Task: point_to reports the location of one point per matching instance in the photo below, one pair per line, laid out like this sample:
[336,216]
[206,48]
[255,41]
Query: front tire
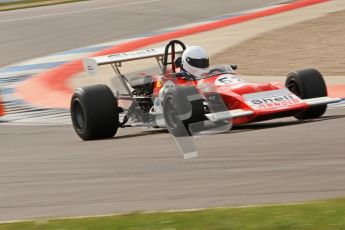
[94,112]
[179,112]
[306,84]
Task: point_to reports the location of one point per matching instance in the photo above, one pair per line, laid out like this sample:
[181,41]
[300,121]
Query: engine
[142,90]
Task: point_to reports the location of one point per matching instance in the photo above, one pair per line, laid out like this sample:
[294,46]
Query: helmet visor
[198,63]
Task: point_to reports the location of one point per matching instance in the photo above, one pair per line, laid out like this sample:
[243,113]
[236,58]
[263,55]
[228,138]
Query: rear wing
[91,64]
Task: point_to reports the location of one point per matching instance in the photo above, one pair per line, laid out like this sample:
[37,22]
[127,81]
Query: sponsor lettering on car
[275,99]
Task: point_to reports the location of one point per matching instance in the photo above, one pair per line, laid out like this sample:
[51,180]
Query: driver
[195,62]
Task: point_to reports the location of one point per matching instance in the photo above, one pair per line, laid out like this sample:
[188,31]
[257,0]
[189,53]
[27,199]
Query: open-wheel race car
[2,109]
[186,104]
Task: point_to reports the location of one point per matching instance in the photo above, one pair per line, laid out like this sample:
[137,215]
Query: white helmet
[195,61]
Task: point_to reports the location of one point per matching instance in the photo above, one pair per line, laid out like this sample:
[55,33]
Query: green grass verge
[4,6]
[314,216]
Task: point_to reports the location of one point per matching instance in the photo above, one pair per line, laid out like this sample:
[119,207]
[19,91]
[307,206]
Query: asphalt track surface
[48,171]
[42,31]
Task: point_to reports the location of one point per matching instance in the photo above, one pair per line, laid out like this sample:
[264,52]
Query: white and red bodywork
[235,92]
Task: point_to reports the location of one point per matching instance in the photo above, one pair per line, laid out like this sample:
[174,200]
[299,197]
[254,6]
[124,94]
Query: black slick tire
[94,112]
[182,106]
[306,84]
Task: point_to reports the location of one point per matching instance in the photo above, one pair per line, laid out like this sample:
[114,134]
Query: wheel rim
[171,112]
[79,117]
[293,86]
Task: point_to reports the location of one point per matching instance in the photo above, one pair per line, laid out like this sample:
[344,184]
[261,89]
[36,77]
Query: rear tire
[306,84]
[179,112]
[94,112]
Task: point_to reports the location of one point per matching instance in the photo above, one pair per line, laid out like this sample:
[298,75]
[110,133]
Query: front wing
[239,113]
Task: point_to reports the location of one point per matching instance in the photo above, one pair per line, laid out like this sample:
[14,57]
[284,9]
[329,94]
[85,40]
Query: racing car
[2,110]
[179,102]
